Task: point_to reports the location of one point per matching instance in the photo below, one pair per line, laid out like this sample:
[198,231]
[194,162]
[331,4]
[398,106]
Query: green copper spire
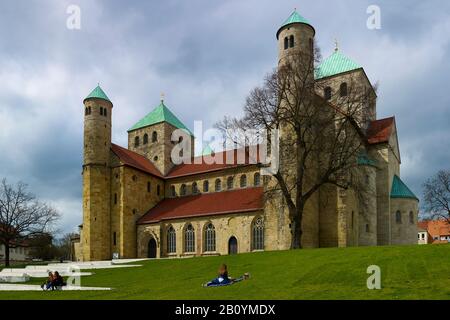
[295,17]
[335,64]
[160,114]
[207,151]
[401,190]
[98,93]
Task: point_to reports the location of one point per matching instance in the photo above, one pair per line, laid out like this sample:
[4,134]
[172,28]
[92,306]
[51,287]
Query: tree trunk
[6,255]
[296,229]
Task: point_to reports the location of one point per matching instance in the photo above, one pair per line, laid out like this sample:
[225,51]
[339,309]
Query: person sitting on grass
[48,284]
[58,281]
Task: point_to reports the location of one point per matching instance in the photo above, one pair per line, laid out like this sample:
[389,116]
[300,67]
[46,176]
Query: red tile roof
[221,160]
[135,160]
[435,228]
[226,202]
[380,130]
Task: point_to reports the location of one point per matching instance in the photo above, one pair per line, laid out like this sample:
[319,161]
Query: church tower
[96,176]
[296,38]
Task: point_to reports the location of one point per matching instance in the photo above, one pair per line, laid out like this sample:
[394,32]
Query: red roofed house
[139,202]
[433,231]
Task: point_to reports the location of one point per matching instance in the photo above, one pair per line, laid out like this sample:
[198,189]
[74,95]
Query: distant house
[433,231]
[15,254]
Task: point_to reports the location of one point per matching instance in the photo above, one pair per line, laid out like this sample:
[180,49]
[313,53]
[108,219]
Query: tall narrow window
[189,239]
[327,93]
[367,228]
[183,190]
[257,179]
[230,181]
[86,111]
[136,141]
[89,110]
[101,111]
[114,238]
[149,186]
[218,185]
[158,190]
[115,198]
[291,41]
[194,188]
[411,217]
[343,90]
[171,240]
[145,139]
[154,136]
[258,234]
[105,112]
[173,191]
[206,186]
[243,181]
[398,217]
[286,43]
[210,238]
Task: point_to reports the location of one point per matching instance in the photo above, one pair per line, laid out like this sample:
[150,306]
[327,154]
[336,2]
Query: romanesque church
[138,203]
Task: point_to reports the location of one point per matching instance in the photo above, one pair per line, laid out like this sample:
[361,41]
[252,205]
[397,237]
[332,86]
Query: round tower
[97,128]
[96,239]
[296,42]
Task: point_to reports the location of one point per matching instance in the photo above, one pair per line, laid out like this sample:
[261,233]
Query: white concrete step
[27,287]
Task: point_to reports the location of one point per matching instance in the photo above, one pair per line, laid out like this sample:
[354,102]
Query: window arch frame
[243,181]
[145,139]
[257,229]
[257,179]
[189,238]
[343,89]
[291,41]
[209,235]
[205,186]
[154,136]
[398,217]
[194,187]
[230,183]
[286,43]
[171,240]
[218,185]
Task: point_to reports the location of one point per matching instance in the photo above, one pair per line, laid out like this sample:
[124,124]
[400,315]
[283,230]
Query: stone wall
[405,230]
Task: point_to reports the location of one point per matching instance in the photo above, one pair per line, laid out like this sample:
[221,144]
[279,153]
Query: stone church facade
[138,203]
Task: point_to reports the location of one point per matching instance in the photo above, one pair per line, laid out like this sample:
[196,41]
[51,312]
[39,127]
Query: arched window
[256,179]
[101,111]
[183,190]
[173,191]
[243,181]
[105,112]
[154,136]
[411,217]
[286,43]
[398,217]
[258,234]
[291,41]
[189,239]
[136,141]
[205,186]
[210,238]
[327,93]
[194,188]
[230,181]
[171,240]
[343,90]
[218,185]
[145,139]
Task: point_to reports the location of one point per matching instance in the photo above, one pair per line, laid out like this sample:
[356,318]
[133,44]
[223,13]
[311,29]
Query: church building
[137,203]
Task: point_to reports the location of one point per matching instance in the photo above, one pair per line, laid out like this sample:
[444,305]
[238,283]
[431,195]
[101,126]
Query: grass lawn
[407,272]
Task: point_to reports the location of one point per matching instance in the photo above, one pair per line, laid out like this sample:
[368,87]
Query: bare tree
[320,139]
[22,216]
[436,193]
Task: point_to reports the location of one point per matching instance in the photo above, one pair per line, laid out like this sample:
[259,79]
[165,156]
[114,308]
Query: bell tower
[96,176]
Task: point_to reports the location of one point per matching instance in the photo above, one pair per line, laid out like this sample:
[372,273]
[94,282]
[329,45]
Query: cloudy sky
[206,56]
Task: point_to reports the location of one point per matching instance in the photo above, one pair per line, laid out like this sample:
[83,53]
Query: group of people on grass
[54,282]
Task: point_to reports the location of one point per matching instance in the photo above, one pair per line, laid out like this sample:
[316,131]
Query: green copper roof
[160,114]
[295,17]
[335,64]
[364,159]
[98,93]
[207,151]
[400,190]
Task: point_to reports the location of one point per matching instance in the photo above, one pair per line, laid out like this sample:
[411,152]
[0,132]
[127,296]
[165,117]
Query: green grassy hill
[407,272]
